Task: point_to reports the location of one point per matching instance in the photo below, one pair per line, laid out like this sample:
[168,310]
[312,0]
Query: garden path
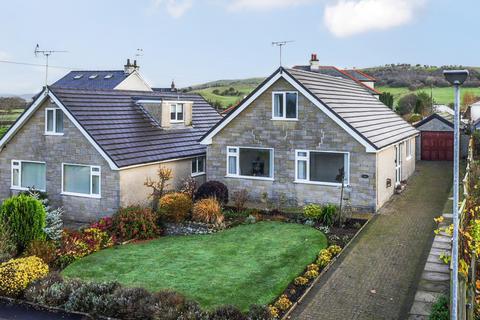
[377,277]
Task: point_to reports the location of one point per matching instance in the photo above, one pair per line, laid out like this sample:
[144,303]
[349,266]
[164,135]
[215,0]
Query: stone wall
[313,131]
[31,143]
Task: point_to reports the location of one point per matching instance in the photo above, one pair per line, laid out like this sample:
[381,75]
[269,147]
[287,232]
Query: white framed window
[285,105]
[53,121]
[176,112]
[322,167]
[81,180]
[409,149]
[28,174]
[198,166]
[250,162]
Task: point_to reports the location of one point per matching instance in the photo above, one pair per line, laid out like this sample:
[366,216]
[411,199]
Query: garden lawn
[245,265]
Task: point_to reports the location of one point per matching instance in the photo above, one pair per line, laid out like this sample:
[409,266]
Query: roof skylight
[78,76]
[93,76]
[108,76]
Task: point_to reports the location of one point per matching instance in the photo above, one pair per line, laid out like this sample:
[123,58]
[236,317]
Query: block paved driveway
[377,275]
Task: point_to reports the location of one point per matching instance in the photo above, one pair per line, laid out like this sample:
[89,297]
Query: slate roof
[352,103]
[106,79]
[363,112]
[359,75]
[126,132]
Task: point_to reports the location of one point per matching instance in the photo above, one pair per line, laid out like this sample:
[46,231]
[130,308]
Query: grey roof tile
[91,79]
[127,134]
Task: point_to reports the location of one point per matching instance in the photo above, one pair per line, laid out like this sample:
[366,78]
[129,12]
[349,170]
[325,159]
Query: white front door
[398,163]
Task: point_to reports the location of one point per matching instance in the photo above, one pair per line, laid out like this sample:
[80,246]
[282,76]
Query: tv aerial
[46,54]
[280,45]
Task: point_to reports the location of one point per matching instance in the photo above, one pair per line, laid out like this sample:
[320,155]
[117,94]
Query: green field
[241,266]
[225,101]
[10,115]
[440,95]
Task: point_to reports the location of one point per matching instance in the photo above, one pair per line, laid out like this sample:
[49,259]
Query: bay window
[322,167]
[53,121]
[250,162]
[28,174]
[285,106]
[198,166]
[81,180]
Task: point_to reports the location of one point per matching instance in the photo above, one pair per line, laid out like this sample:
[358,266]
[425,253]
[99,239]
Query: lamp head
[456,77]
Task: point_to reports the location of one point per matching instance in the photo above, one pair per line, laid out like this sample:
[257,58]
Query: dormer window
[78,76]
[176,112]
[93,76]
[53,121]
[285,105]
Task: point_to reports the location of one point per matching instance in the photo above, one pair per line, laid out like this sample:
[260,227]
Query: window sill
[250,178]
[24,189]
[81,195]
[198,174]
[177,121]
[284,119]
[53,134]
[328,184]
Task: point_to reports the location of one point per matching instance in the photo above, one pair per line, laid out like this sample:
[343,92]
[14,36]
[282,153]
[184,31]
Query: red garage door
[437,145]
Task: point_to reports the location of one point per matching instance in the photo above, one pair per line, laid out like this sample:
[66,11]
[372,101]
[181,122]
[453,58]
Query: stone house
[301,135]
[91,139]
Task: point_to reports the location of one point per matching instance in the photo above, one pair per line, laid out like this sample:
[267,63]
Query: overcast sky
[194,41]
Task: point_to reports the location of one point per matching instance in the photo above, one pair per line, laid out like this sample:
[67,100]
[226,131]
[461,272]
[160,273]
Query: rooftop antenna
[47,54]
[280,45]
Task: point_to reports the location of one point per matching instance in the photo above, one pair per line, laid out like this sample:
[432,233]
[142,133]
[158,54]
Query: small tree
[407,104]
[424,104]
[469,98]
[387,99]
[159,186]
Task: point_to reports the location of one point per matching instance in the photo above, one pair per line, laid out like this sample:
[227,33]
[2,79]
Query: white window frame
[408,149]
[284,94]
[176,104]
[19,168]
[92,173]
[199,173]
[54,132]
[237,169]
[307,159]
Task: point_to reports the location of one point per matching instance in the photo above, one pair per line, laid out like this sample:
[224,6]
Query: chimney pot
[314,63]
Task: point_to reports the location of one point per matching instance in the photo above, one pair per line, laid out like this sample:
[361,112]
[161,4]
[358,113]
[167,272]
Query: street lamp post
[456,78]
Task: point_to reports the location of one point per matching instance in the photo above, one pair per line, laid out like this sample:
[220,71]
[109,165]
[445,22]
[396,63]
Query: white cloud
[175,8]
[4,55]
[349,17]
[264,4]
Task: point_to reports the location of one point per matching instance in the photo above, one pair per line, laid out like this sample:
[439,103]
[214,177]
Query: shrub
[334,250]
[51,291]
[90,297]
[25,217]
[45,250]
[77,244]
[407,104]
[227,312]
[329,213]
[440,310]
[213,189]
[313,266]
[208,211]
[311,274]
[189,186]
[415,118]
[105,224]
[257,312]
[312,211]
[273,311]
[300,281]
[16,274]
[239,198]
[8,247]
[175,206]
[135,222]
[283,303]
[159,186]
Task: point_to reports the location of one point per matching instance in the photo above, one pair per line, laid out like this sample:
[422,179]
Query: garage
[435,142]
[437,146]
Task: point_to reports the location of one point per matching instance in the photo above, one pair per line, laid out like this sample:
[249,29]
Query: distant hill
[398,79]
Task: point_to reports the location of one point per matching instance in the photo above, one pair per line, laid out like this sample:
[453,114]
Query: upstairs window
[198,166]
[285,106]
[53,121]
[176,112]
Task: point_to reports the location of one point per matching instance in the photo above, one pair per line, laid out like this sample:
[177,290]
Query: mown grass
[225,101]
[245,265]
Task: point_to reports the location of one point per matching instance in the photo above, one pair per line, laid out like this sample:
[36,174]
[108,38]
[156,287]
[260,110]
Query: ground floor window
[250,162]
[322,167]
[28,174]
[82,180]
[198,166]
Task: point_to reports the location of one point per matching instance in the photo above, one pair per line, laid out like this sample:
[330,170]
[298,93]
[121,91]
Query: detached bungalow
[92,138]
[301,134]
